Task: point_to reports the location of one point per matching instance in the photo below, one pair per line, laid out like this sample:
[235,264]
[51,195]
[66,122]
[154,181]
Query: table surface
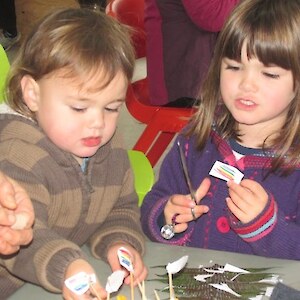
[160,254]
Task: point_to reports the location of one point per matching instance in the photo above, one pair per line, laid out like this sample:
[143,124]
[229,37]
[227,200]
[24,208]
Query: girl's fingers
[203,189]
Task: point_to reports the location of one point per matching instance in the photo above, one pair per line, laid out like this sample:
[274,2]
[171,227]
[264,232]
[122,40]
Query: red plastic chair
[131,12]
[163,123]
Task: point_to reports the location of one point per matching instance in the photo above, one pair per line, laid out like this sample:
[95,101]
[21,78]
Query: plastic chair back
[143,173]
[131,13]
[4,68]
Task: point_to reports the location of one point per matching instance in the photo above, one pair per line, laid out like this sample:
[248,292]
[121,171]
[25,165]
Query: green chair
[143,173]
[4,68]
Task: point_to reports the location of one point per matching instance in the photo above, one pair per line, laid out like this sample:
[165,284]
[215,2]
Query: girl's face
[76,118]
[257,96]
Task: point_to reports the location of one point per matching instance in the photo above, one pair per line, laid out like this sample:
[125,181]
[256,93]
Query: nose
[96,120]
[248,81]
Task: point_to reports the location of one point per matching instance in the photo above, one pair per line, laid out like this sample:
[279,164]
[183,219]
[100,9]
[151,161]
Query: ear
[30,91]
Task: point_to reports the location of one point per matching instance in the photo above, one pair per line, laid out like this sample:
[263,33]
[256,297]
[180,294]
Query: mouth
[246,102]
[91,141]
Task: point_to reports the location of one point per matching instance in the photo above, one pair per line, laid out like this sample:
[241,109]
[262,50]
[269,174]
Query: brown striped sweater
[72,207]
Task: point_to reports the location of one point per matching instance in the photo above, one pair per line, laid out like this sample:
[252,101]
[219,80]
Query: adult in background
[181,36]
[16,216]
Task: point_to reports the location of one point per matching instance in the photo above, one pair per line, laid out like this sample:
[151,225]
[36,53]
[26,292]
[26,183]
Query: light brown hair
[80,41]
[271,31]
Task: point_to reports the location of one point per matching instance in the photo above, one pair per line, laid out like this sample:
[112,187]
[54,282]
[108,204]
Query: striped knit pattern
[260,227]
[72,208]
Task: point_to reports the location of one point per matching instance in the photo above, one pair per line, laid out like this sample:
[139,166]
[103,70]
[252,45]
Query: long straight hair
[271,31]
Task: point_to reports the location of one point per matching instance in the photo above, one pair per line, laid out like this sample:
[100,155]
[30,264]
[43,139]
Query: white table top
[159,254]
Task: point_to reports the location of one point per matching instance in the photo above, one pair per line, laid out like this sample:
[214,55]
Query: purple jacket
[274,233]
[181,36]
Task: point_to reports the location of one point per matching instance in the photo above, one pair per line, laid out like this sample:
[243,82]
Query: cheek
[280,99]
[111,125]
[226,85]
[58,126]
[225,91]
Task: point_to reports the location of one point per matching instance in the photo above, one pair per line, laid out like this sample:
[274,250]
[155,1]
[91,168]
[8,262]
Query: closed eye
[231,67]
[77,109]
[271,75]
[112,109]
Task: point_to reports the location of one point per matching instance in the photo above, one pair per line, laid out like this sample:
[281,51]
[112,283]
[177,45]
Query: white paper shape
[271,280]
[269,291]
[202,278]
[114,281]
[258,297]
[125,259]
[213,270]
[224,287]
[234,269]
[80,282]
[226,172]
[176,266]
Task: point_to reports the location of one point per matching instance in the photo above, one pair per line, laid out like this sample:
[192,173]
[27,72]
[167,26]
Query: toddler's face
[79,118]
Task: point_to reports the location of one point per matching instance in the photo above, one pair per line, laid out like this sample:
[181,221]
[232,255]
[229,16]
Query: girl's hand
[140,270]
[247,199]
[178,208]
[96,289]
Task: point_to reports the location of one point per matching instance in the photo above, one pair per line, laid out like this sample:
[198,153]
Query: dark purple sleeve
[171,181]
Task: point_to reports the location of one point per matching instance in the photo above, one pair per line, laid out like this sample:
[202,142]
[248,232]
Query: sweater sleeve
[271,233]
[209,15]
[260,226]
[171,181]
[35,262]
[123,222]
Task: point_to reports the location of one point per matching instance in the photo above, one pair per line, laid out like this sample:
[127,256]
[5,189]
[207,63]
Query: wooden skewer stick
[156,295]
[95,292]
[142,290]
[172,294]
[131,286]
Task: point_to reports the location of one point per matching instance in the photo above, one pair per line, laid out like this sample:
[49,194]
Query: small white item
[226,172]
[125,259]
[234,269]
[227,268]
[80,282]
[224,287]
[21,222]
[114,281]
[176,266]
[202,278]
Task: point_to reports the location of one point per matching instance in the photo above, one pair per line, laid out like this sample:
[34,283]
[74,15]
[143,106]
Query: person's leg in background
[8,22]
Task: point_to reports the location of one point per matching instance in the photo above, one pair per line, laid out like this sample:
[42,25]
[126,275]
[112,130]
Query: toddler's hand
[140,270]
[96,290]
